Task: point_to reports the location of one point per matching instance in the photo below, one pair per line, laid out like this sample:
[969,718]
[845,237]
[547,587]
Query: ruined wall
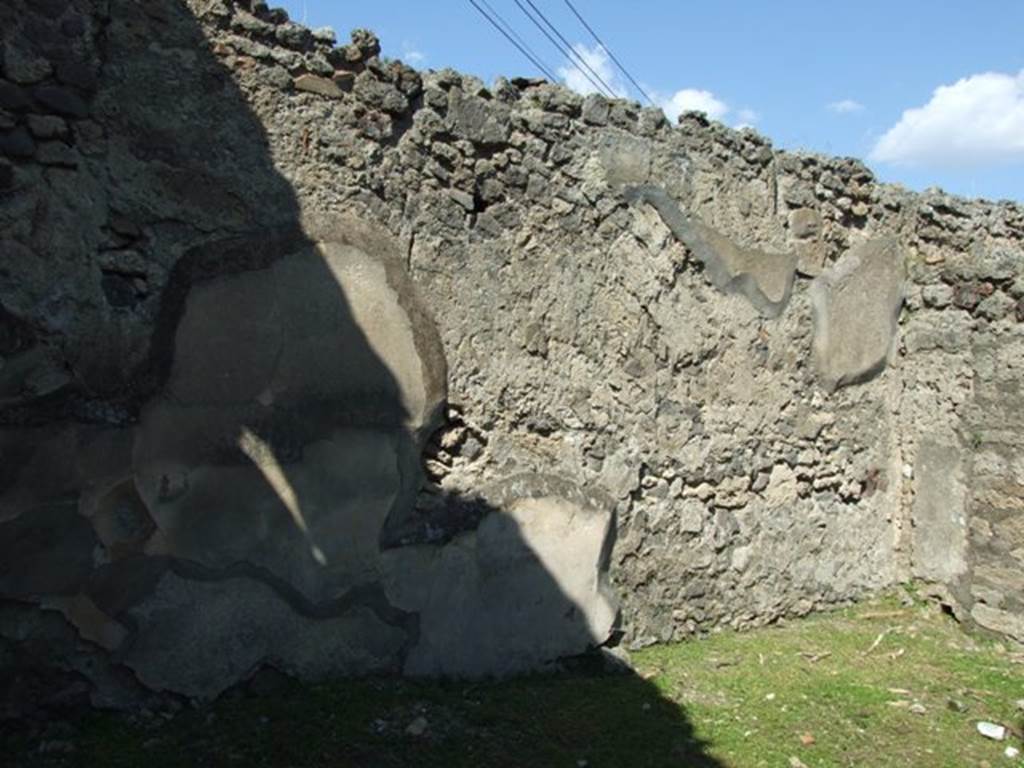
[314,361]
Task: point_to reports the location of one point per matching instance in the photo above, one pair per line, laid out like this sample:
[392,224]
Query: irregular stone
[290,60]
[782,488]
[740,559]
[248,47]
[595,110]
[804,223]
[248,23]
[344,79]
[56,153]
[119,289]
[294,36]
[318,64]
[1001,576]
[12,97]
[652,119]
[551,98]
[22,67]
[275,15]
[379,95]
[50,9]
[278,77]
[61,100]
[462,198]
[996,306]
[620,474]
[856,307]
[325,35]
[318,85]
[475,118]
[626,159]
[938,296]
[89,138]
[17,143]
[1001,621]
[71,70]
[47,126]
[366,43]
[968,295]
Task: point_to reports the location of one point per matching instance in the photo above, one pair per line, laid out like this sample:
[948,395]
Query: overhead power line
[562,50]
[608,51]
[517,36]
[608,88]
[534,60]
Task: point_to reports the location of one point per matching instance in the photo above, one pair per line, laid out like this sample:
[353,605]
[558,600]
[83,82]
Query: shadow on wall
[226,478]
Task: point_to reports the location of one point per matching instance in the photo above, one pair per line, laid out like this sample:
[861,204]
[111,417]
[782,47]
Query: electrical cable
[518,37]
[609,52]
[508,37]
[562,50]
[610,91]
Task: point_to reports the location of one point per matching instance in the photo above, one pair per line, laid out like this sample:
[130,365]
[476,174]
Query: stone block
[528,586]
[939,514]
[626,159]
[804,223]
[856,308]
[322,86]
[997,620]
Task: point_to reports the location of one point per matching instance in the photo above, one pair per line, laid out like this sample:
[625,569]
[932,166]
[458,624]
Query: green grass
[735,699]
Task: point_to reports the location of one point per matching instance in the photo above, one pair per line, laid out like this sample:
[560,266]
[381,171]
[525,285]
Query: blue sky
[927,93]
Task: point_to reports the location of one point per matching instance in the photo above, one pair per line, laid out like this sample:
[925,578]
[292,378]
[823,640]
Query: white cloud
[977,120]
[597,59]
[844,106]
[692,99]
[412,56]
[681,101]
[747,118]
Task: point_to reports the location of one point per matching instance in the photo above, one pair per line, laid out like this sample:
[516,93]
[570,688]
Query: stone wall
[313,361]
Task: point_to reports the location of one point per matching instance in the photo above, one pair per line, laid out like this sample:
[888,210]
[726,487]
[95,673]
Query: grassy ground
[883,684]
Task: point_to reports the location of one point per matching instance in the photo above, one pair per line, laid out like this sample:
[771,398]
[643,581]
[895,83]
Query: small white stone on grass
[992,730]
[417,727]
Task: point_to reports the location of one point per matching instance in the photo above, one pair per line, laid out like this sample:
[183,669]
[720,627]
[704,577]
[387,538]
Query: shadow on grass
[569,719]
